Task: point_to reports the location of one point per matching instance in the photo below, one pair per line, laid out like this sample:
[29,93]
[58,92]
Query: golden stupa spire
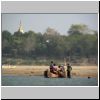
[20,28]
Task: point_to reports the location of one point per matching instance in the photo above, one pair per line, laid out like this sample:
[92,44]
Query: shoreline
[77,71]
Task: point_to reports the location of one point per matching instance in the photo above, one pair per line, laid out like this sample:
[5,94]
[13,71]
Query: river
[8,80]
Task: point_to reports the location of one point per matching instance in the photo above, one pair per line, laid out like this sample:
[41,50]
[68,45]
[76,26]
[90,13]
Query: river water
[8,80]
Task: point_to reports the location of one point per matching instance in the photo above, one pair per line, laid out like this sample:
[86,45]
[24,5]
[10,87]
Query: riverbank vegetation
[78,46]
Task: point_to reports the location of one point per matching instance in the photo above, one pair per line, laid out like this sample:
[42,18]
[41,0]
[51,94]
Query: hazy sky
[40,22]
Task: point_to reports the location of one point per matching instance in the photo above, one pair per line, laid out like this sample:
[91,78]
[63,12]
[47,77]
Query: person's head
[54,64]
[59,66]
[51,61]
[68,64]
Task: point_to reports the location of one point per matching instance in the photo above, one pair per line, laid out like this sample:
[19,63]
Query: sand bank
[78,71]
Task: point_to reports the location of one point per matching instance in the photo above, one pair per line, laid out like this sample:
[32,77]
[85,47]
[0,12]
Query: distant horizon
[59,22]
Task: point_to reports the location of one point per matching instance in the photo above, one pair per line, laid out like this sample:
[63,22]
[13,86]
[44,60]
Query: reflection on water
[41,81]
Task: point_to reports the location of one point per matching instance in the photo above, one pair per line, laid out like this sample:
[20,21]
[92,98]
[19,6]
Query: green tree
[6,42]
[79,29]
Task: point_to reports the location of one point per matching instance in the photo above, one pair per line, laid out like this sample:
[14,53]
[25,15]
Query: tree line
[81,42]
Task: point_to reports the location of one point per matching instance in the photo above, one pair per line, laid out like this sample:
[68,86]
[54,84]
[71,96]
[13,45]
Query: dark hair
[54,64]
[68,64]
[59,66]
[51,61]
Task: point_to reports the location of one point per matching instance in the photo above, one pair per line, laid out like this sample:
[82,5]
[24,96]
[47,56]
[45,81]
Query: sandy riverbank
[78,71]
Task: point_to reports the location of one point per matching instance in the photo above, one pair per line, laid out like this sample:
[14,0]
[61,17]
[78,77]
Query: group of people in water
[60,69]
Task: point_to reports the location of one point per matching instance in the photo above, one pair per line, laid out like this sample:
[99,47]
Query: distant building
[20,28]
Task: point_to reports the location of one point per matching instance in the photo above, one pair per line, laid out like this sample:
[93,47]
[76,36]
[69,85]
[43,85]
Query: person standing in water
[69,69]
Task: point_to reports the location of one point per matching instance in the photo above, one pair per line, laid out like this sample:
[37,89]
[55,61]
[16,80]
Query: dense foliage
[78,43]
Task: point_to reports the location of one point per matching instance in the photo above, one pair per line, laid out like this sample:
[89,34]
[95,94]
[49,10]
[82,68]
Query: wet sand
[77,71]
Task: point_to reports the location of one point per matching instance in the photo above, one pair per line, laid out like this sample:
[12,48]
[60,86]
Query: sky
[40,22]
